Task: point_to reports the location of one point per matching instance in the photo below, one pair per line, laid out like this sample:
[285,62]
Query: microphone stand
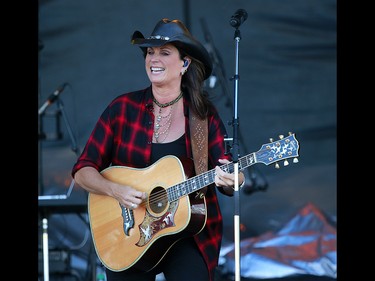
[41,197]
[74,146]
[235,153]
[252,183]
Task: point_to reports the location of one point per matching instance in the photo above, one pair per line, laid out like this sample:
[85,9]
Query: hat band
[159,37]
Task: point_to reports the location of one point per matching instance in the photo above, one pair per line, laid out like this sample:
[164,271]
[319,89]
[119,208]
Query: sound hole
[158,199]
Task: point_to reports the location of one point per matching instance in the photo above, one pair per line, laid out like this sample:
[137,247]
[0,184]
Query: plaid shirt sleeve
[122,135]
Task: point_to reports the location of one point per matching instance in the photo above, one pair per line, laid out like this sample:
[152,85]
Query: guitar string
[243,163]
[161,194]
[227,167]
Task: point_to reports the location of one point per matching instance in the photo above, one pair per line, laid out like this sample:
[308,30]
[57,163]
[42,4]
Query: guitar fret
[211,176]
[171,193]
[179,192]
[183,188]
[241,164]
[194,184]
[188,185]
[205,180]
[201,180]
[176,191]
[250,159]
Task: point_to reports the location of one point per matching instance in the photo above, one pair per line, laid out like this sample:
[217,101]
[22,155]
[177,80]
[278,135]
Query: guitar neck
[269,153]
[202,180]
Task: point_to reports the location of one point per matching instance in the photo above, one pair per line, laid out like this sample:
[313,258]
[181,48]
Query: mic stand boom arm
[74,145]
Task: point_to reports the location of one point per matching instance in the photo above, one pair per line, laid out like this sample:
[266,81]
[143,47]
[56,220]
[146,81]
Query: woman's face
[164,65]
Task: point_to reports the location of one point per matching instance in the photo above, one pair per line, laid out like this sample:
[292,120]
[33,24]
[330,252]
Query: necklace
[162,105]
[166,124]
[163,123]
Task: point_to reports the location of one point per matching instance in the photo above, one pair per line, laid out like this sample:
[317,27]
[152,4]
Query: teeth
[153,69]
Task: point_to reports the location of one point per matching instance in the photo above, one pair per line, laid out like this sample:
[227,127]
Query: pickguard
[152,224]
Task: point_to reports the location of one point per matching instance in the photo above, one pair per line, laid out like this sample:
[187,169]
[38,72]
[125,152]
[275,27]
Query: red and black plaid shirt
[123,136]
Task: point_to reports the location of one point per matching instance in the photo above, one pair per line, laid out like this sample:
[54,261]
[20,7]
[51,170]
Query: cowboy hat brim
[174,32]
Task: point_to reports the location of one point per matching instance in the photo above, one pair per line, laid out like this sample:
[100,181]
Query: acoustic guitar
[174,207]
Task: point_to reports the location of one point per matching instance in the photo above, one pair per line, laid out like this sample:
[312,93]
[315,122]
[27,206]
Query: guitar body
[174,209]
[140,238]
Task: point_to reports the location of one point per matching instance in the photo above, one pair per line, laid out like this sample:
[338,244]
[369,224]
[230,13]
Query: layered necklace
[163,122]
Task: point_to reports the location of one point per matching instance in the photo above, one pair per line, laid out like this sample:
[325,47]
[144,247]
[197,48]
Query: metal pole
[45,250]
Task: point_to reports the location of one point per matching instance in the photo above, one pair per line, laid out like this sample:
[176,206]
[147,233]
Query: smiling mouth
[156,69]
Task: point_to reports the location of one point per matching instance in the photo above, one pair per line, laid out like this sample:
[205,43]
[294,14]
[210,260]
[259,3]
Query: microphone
[238,18]
[52,98]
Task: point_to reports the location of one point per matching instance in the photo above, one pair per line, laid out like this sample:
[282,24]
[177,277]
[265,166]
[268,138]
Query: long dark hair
[192,83]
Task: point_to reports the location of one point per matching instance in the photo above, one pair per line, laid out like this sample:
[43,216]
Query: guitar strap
[199,144]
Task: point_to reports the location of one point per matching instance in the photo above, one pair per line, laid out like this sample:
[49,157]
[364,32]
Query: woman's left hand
[224,179]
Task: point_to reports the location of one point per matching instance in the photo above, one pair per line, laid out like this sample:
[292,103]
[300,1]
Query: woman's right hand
[128,196]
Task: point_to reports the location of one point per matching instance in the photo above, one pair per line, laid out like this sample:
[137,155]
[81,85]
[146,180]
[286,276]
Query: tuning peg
[290,133]
[295,160]
[286,163]
[277,166]
[281,137]
[271,139]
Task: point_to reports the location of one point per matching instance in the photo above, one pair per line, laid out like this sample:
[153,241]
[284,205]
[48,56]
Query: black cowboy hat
[174,31]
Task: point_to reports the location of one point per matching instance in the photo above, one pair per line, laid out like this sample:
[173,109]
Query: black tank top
[176,148]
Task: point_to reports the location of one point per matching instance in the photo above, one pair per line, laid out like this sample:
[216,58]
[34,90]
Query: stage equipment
[54,97]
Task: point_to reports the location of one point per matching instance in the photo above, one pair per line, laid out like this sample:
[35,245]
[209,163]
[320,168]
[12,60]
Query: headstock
[275,151]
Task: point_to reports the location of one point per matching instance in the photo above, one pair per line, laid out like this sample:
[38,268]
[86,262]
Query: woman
[139,128]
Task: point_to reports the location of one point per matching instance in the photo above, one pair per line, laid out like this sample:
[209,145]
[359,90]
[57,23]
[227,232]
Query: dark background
[287,68]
